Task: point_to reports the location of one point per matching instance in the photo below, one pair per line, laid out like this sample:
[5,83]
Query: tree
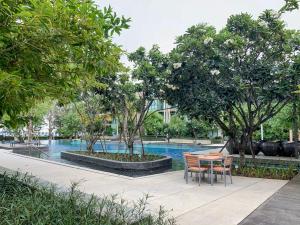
[48,47]
[134,94]
[153,125]
[94,118]
[238,77]
[277,128]
[68,122]
[198,127]
[177,126]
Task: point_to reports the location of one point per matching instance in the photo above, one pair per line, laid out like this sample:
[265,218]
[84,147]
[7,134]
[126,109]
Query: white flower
[275,14]
[177,65]
[208,40]
[19,21]
[263,23]
[168,71]
[228,42]
[215,72]
[172,87]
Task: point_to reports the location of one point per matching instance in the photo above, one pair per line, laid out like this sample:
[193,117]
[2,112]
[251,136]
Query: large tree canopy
[238,77]
[48,46]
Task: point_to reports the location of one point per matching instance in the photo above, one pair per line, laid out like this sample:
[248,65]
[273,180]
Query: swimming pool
[173,150]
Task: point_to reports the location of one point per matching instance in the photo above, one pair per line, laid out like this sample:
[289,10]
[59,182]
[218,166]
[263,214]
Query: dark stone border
[165,163]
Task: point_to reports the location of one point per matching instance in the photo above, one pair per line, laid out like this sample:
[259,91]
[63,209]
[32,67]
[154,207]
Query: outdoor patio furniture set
[212,163]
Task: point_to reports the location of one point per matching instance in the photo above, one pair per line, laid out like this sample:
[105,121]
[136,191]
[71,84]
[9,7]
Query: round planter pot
[288,148]
[270,148]
[255,147]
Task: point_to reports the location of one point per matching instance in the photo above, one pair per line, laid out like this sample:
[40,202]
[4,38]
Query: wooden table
[211,159]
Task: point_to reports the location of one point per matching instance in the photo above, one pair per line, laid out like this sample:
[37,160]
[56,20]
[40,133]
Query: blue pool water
[173,150]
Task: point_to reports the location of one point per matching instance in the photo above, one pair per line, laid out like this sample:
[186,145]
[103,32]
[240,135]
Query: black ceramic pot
[288,148]
[255,147]
[270,148]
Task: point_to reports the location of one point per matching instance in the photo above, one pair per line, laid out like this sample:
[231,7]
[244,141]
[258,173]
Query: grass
[121,156]
[24,201]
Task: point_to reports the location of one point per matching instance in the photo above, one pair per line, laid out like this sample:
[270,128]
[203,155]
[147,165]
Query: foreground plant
[24,201]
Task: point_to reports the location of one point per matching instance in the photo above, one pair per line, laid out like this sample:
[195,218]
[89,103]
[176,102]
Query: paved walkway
[190,204]
[283,208]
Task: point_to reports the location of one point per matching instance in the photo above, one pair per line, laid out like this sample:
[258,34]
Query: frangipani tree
[134,93]
[238,77]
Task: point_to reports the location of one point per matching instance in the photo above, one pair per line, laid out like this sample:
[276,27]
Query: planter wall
[164,163]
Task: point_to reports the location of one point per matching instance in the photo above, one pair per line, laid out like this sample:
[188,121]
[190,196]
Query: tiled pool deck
[282,208]
[189,203]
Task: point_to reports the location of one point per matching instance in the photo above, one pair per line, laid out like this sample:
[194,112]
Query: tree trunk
[30,130]
[244,145]
[130,146]
[143,149]
[90,145]
[295,120]
[50,128]
[125,126]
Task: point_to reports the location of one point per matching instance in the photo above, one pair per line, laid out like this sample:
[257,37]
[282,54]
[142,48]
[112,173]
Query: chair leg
[225,178]
[186,176]
[230,176]
[199,177]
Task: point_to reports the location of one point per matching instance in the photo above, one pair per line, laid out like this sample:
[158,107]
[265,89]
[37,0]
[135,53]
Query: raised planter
[270,148]
[164,163]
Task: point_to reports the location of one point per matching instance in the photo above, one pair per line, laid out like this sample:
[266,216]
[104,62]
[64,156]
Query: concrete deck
[190,204]
[282,208]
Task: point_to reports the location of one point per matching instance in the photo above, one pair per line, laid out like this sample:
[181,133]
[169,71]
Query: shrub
[266,172]
[24,201]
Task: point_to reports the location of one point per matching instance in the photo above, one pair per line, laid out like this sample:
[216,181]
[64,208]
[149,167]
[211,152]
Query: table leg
[211,172]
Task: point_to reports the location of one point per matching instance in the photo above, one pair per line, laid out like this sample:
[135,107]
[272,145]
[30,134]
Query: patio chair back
[192,160]
[228,161]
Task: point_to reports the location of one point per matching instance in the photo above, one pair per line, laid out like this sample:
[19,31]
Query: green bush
[24,201]
[266,172]
[121,156]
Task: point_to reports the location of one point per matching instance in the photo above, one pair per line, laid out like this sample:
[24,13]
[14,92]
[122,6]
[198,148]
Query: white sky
[161,21]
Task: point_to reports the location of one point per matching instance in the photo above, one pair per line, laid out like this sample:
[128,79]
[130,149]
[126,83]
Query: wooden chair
[225,168]
[192,164]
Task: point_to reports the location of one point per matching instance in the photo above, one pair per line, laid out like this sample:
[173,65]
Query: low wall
[190,141]
[165,163]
